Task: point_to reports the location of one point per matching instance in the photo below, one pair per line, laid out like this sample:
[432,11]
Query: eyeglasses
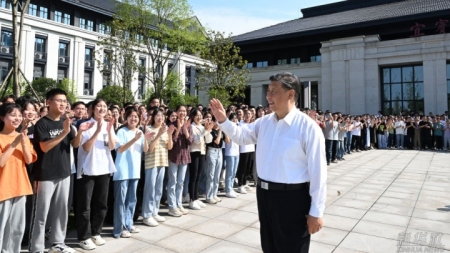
[64,101]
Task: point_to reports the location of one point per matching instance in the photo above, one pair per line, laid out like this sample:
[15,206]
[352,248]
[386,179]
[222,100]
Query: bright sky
[241,16]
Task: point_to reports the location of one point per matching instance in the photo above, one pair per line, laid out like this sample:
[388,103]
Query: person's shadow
[445,209]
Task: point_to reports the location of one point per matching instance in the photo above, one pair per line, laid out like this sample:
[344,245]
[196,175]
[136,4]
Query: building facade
[359,56]
[59,41]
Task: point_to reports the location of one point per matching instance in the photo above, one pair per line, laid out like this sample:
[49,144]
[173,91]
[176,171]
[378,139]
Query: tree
[162,29]
[114,95]
[43,85]
[223,75]
[173,92]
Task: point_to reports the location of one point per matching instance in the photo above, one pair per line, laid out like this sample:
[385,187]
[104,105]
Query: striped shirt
[159,156]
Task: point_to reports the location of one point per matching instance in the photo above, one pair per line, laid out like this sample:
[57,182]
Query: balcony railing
[89,64]
[63,60]
[40,56]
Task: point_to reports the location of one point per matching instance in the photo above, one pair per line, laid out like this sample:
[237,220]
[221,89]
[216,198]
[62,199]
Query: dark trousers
[139,192]
[356,142]
[245,163]
[282,230]
[439,141]
[426,140]
[328,149]
[409,141]
[363,139]
[195,170]
[92,197]
[334,150]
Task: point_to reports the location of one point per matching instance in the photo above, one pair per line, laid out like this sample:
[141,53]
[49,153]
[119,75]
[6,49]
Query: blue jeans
[124,204]
[175,184]
[381,141]
[399,140]
[153,190]
[231,166]
[348,147]
[213,168]
[340,150]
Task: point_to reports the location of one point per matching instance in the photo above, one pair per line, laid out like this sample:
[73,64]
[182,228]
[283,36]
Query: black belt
[281,187]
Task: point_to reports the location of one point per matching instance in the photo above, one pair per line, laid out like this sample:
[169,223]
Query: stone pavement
[376,199]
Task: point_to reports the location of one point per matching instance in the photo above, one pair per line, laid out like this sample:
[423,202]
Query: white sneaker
[185,199]
[211,201]
[150,222]
[61,248]
[87,244]
[134,230]
[217,199]
[231,195]
[125,234]
[182,210]
[237,194]
[241,190]
[174,212]
[200,203]
[159,218]
[98,240]
[247,188]
[193,205]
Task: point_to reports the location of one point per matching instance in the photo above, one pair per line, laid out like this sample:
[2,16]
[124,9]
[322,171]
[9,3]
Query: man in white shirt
[291,165]
[399,128]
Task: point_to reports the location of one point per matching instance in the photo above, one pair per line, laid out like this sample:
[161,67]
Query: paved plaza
[377,202]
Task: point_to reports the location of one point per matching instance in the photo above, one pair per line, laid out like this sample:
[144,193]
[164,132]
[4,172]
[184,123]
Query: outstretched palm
[218,110]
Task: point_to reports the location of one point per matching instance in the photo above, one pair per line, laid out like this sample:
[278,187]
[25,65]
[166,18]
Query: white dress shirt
[289,151]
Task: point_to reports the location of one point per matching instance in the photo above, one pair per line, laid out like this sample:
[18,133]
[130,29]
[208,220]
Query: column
[306,95]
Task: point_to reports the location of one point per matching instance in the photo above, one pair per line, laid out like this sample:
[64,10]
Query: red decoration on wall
[416,28]
[441,24]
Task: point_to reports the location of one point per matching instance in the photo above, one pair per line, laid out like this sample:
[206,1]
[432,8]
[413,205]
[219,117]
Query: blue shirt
[128,163]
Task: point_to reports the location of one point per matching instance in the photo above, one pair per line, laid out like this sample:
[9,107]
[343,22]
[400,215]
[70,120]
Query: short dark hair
[53,92]
[289,81]
[78,103]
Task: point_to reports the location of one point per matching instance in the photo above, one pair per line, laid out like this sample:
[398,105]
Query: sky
[241,16]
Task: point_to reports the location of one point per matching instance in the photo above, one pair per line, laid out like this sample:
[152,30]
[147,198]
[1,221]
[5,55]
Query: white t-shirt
[356,128]
[399,125]
[98,161]
[231,149]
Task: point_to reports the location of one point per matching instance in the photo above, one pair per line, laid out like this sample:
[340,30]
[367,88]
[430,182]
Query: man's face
[200,108]
[154,103]
[79,111]
[278,97]
[240,114]
[57,104]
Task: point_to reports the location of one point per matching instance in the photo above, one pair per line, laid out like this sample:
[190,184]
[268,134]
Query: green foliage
[173,92]
[223,76]
[116,94]
[43,85]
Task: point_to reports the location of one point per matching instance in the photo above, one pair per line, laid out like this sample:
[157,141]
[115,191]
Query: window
[87,24]
[43,12]
[38,71]
[106,80]
[61,17]
[88,84]
[83,23]
[3,4]
[448,86]
[104,29]
[7,38]
[295,60]
[62,73]
[63,49]
[4,69]
[249,65]
[33,10]
[316,58]
[107,61]
[402,89]
[39,45]
[88,57]
[282,62]
[261,64]
[139,38]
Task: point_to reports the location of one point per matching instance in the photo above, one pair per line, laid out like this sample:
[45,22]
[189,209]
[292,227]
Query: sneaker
[217,199]
[134,230]
[328,163]
[231,195]
[202,195]
[151,222]
[200,203]
[159,218]
[87,244]
[237,194]
[241,190]
[125,234]
[185,199]
[174,212]
[98,240]
[61,248]
[342,159]
[182,210]
[211,201]
[194,206]
[247,188]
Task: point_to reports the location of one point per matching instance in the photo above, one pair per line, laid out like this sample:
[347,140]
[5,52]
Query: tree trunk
[16,60]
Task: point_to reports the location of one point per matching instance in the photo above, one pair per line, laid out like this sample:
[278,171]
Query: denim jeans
[153,190]
[340,150]
[124,204]
[213,168]
[175,185]
[399,140]
[348,148]
[232,164]
[446,141]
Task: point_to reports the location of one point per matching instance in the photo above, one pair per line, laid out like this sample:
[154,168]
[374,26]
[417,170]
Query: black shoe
[334,161]
[328,163]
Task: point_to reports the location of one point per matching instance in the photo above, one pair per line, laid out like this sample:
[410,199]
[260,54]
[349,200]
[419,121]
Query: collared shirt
[289,151]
